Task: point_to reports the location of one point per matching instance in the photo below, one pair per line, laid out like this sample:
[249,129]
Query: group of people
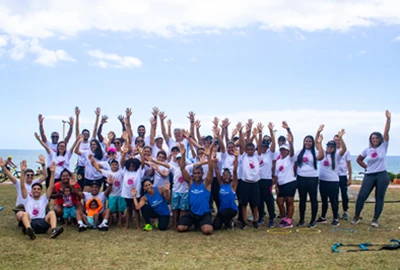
[185,175]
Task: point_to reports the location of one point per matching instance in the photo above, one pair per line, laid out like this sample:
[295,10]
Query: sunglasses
[55,136]
[117,143]
[29,175]
[140,141]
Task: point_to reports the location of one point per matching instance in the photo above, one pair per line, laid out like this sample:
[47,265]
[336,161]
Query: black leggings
[343,191]
[308,185]
[329,189]
[215,192]
[148,213]
[266,197]
[222,217]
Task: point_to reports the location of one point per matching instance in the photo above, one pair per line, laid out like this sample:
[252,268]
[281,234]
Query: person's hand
[260,127]
[162,116]
[321,128]
[191,117]
[42,160]
[285,125]
[215,121]
[207,151]
[182,148]
[289,138]
[124,150]
[134,192]
[110,136]
[97,111]
[169,123]
[388,115]
[349,182]
[234,132]
[250,123]
[153,121]
[104,119]
[155,111]
[77,111]
[216,131]
[197,124]
[185,133]
[271,127]
[80,137]
[23,165]
[255,131]
[225,123]
[71,121]
[53,167]
[2,163]
[276,189]
[128,112]
[239,126]
[166,185]
[235,153]
[37,136]
[110,179]
[341,133]
[154,166]
[40,118]
[91,158]
[72,181]
[320,138]
[121,118]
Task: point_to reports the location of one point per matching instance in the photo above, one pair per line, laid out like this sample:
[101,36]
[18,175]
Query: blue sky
[335,63]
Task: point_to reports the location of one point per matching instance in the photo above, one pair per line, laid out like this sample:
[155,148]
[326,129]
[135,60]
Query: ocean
[31,156]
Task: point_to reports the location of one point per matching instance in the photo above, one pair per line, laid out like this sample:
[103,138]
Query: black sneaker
[355,220]
[229,225]
[31,233]
[321,220]
[56,232]
[82,227]
[243,226]
[255,224]
[312,224]
[335,222]
[301,223]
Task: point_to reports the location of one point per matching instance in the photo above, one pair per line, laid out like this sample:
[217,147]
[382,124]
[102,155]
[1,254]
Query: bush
[392,176]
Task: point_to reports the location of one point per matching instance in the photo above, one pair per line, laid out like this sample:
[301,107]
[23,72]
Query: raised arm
[166,165]
[51,184]
[94,163]
[210,177]
[343,148]
[319,130]
[128,113]
[110,182]
[387,126]
[169,123]
[121,119]
[42,162]
[48,150]
[234,183]
[217,172]
[165,191]
[77,150]
[191,118]
[249,126]
[272,135]
[74,145]
[182,165]
[260,128]
[189,137]
[138,204]
[225,132]
[96,122]
[239,127]
[220,139]
[318,144]
[71,127]
[41,128]
[77,113]
[198,135]
[286,126]
[153,126]
[23,166]
[163,129]
[7,172]
[74,189]
[289,138]
[103,121]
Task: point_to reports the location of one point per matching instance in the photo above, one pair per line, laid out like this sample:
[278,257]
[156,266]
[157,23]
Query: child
[68,205]
[93,208]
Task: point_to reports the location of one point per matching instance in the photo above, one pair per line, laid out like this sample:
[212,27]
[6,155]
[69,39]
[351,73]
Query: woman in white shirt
[329,177]
[376,175]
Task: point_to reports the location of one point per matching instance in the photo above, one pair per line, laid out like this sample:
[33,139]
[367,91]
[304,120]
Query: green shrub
[392,176]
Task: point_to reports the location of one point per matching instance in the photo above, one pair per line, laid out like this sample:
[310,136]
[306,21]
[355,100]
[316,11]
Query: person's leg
[121,207]
[343,192]
[263,185]
[280,203]
[269,200]
[48,177]
[147,212]
[313,191]
[382,184]
[367,185]
[104,223]
[59,210]
[163,222]
[333,192]
[255,202]
[238,192]
[302,188]
[323,190]
[129,209]
[206,224]
[185,222]
[96,220]
[80,220]
[137,219]
[51,219]
[215,192]
[217,223]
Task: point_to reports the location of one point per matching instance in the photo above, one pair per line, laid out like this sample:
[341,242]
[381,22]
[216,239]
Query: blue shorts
[116,204]
[69,212]
[180,201]
[90,221]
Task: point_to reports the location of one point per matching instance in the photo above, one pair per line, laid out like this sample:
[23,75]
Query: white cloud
[362,52]
[111,60]
[299,36]
[164,18]
[3,40]
[396,39]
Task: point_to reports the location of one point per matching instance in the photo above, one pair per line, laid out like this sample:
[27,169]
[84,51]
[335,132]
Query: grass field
[237,249]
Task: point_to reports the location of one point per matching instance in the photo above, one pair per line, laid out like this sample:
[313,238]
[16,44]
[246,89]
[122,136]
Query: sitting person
[68,205]
[93,208]
[34,219]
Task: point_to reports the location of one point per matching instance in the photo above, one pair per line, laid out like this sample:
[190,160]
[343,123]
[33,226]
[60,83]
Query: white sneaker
[374,223]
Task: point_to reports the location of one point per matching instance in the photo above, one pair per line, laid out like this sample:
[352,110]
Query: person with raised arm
[266,173]
[111,134]
[376,175]
[28,179]
[227,195]
[344,169]
[307,177]
[250,168]
[329,177]
[199,213]
[177,134]
[286,183]
[53,145]
[141,129]
[61,157]
[153,204]
[156,141]
[34,219]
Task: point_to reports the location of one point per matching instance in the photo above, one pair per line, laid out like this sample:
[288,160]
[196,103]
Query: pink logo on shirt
[305,159]
[252,165]
[61,163]
[261,162]
[374,155]
[278,158]
[180,179]
[130,181]
[326,163]
[35,211]
[281,168]
[117,183]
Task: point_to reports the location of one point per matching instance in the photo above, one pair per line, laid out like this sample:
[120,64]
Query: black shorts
[80,176]
[249,193]
[129,203]
[288,189]
[89,183]
[39,225]
[191,219]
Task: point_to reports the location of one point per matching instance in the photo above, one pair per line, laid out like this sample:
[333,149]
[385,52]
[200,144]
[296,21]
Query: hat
[284,146]
[175,148]
[178,155]
[265,143]
[112,149]
[331,144]
[19,207]
[158,137]
[281,138]
[209,137]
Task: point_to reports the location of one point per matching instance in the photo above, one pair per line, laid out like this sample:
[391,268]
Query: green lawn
[237,249]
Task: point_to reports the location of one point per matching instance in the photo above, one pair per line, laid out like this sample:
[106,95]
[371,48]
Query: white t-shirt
[28,188]
[62,162]
[159,180]
[307,167]
[284,170]
[266,164]
[375,158]
[146,140]
[117,186]
[250,167]
[326,173]
[180,185]
[36,208]
[155,150]
[342,166]
[172,143]
[53,149]
[227,162]
[90,172]
[190,168]
[100,196]
[83,147]
[132,180]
